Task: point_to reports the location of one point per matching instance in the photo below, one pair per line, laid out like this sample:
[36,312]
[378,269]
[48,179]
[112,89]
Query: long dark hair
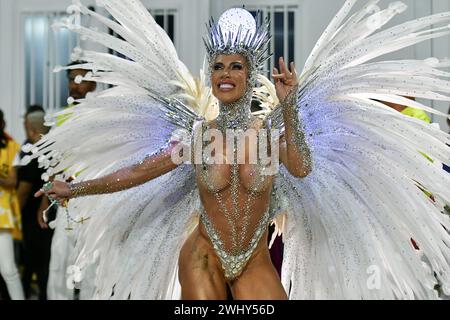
[3,137]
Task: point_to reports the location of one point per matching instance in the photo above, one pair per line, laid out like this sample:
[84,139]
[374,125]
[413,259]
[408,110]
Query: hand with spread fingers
[286,80]
[56,190]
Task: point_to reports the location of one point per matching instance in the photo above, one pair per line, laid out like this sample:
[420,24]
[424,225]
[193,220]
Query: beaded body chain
[236,243]
[244,236]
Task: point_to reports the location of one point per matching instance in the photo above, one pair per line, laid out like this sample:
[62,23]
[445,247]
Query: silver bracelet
[76,189]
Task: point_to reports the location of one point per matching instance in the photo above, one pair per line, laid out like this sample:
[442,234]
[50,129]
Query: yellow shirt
[63,118]
[9,204]
[421,115]
[416,113]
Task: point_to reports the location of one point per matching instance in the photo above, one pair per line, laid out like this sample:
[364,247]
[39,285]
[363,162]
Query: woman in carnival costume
[181,195]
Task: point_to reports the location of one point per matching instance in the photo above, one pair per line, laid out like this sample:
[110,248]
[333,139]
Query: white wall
[314,17]
[190,26]
[7,80]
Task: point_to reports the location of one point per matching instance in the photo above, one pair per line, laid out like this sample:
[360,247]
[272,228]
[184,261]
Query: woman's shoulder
[11,143]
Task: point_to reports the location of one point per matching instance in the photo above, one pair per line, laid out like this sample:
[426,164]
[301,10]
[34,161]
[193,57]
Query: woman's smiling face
[229,77]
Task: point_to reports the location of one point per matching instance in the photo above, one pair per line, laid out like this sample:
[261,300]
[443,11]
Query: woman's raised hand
[285,79]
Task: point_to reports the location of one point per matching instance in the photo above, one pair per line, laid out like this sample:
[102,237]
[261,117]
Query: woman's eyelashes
[237,66]
[233,66]
[218,66]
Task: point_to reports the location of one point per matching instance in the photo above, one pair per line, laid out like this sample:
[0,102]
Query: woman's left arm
[294,151]
[11,180]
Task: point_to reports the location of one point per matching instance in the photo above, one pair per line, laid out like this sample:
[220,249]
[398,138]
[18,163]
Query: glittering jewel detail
[232,264]
[297,139]
[236,115]
[234,259]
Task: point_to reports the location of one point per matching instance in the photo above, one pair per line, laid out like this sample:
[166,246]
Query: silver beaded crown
[237,32]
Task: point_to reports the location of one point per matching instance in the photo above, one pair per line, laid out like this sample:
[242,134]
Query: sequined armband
[291,108]
[290,101]
[77,189]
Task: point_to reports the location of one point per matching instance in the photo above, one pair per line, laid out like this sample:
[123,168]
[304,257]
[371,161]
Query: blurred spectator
[419,114]
[415,113]
[36,241]
[79,90]
[31,109]
[9,213]
[3,289]
[76,90]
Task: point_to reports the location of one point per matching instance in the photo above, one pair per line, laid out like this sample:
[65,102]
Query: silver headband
[237,32]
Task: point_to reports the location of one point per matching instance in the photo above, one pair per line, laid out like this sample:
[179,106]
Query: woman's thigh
[259,280]
[199,272]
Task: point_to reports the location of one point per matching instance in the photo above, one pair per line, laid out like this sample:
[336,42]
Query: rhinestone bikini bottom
[232,265]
